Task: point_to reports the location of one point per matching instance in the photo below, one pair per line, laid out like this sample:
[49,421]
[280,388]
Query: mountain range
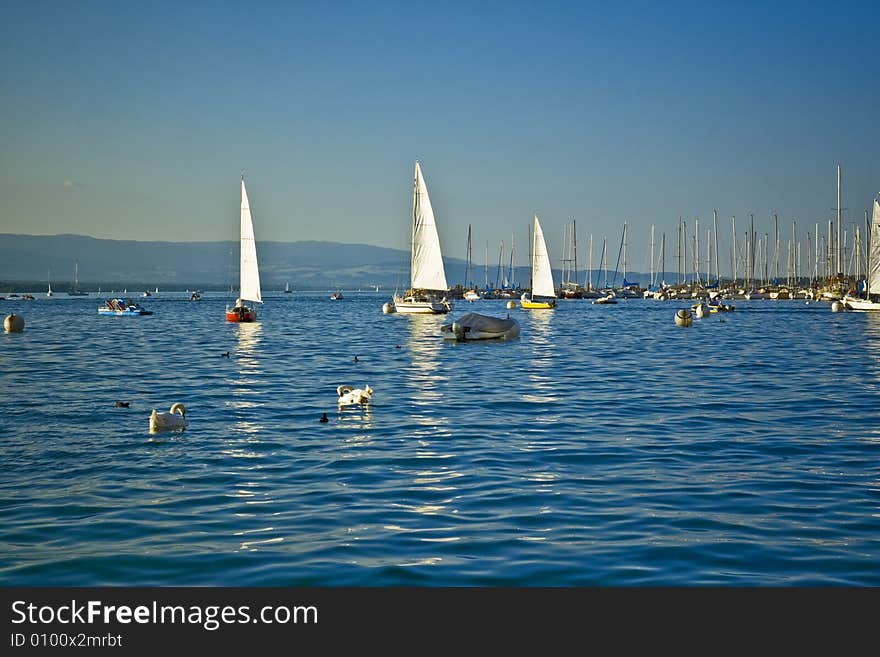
[307,265]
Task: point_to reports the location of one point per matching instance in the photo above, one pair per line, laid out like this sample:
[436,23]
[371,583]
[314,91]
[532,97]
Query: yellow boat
[528,304]
[543,290]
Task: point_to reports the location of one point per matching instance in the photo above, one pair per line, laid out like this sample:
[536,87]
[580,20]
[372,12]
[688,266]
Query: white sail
[542,275]
[874,259]
[426,267]
[250,274]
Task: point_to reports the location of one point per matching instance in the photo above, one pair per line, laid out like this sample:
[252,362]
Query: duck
[349,396]
[122,404]
[324,418]
[226,355]
[174,419]
[355,358]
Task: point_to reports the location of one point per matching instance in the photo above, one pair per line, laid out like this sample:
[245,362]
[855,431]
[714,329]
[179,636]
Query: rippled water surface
[604,446]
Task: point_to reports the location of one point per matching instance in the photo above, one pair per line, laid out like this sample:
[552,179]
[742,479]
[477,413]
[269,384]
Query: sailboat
[287,288]
[471,293]
[249,273]
[427,275]
[48,280]
[872,284]
[75,291]
[542,286]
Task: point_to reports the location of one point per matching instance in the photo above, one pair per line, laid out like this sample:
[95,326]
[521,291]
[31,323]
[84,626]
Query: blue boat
[122,308]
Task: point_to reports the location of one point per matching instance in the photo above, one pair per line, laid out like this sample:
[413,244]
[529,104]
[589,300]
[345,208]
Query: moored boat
[121,307]
[474,326]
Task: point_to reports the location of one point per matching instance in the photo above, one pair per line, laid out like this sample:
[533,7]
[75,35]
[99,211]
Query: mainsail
[874,258]
[250,274]
[426,267]
[542,275]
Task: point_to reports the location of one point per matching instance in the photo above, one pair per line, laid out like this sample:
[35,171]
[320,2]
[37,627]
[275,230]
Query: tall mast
[678,253]
[565,248]
[469,274]
[684,243]
[708,257]
[498,271]
[839,267]
[487,264]
[574,243]
[590,272]
[752,251]
[663,259]
[512,249]
[715,233]
[652,257]
[734,255]
[776,230]
[605,257]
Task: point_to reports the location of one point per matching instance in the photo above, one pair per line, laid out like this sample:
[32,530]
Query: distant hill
[113,264]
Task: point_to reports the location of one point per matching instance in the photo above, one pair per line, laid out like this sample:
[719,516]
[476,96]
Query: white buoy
[683,318]
[388,307]
[13,323]
[511,305]
[836,307]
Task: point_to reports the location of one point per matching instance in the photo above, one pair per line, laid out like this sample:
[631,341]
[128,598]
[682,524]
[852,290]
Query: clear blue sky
[134,120]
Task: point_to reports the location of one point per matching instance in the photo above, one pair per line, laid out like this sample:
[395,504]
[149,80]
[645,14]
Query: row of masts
[754,258]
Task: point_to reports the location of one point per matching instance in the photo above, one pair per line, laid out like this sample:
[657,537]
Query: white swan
[174,419]
[349,396]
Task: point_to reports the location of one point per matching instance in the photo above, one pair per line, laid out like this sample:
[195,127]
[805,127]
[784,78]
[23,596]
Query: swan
[174,419]
[349,396]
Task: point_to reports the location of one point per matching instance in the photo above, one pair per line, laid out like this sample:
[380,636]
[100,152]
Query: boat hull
[421,306]
[239,315]
[528,304]
[852,303]
[474,326]
[124,313]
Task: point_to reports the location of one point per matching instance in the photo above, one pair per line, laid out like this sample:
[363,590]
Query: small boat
[608,298]
[27,297]
[543,290]
[195,296]
[427,275]
[146,293]
[336,295]
[249,273]
[75,291]
[122,308]
[287,288]
[472,295]
[474,326]
[49,291]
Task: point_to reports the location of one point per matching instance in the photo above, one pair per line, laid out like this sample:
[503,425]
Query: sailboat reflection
[540,363]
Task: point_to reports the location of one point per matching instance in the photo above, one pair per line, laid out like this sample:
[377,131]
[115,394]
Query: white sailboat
[49,280]
[427,275]
[249,273]
[287,288]
[872,284]
[543,290]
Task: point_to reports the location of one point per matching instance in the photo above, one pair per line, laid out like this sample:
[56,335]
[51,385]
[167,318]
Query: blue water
[605,446]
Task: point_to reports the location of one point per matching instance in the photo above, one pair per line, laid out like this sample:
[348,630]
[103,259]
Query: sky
[128,120]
